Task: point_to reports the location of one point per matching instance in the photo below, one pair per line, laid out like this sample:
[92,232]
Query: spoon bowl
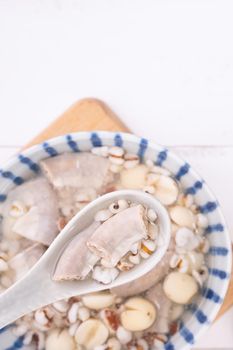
[37,288]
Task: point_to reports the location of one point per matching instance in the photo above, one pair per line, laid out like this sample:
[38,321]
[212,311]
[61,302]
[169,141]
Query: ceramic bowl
[203,311]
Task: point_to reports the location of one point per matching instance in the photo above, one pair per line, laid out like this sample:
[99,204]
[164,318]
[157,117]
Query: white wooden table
[165,67]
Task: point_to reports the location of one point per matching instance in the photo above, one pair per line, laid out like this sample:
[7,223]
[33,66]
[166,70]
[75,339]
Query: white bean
[166,190]
[61,306]
[83,313]
[91,333]
[73,328]
[185,238]
[41,317]
[104,275]
[100,151]
[116,151]
[123,335]
[113,344]
[131,160]
[182,216]
[103,215]
[180,287]
[152,215]
[134,178]
[118,206]
[139,314]
[59,340]
[98,300]
[147,248]
[135,259]
[73,312]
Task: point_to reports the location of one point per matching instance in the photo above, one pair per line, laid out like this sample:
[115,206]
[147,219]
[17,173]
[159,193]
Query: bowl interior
[204,309]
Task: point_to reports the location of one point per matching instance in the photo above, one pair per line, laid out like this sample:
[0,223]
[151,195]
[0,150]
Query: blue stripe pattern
[2,197]
[184,169]
[194,189]
[161,157]
[118,140]
[17,180]
[186,334]
[49,149]
[215,228]
[211,295]
[18,344]
[201,317]
[95,140]
[208,207]
[142,147]
[222,251]
[4,329]
[199,314]
[169,346]
[219,273]
[72,144]
[32,166]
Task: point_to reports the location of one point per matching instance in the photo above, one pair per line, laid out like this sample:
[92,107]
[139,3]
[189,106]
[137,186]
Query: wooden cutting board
[88,115]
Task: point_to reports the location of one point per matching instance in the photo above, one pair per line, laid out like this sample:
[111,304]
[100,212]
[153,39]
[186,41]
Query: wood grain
[92,114]
[85,115]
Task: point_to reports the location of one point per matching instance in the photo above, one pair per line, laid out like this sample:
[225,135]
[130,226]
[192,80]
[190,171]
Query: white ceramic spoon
[37,288]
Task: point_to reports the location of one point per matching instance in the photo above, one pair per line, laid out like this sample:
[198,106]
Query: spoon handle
[37,289]
[24,296]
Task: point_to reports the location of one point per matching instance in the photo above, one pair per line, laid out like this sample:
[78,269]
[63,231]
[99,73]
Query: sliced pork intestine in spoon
[77,260]
[39,214]
[110,240]
[115,237]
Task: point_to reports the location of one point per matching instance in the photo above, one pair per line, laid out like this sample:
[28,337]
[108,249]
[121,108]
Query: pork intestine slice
[75,176]
[116,236]
[77,260]
[39,222]
[110,241]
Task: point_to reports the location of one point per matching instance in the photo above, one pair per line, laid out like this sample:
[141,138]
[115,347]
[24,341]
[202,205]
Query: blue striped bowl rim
[203,311]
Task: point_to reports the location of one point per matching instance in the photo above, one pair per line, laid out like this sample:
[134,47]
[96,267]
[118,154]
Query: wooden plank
[92,114]
[228,301]
[85,115]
